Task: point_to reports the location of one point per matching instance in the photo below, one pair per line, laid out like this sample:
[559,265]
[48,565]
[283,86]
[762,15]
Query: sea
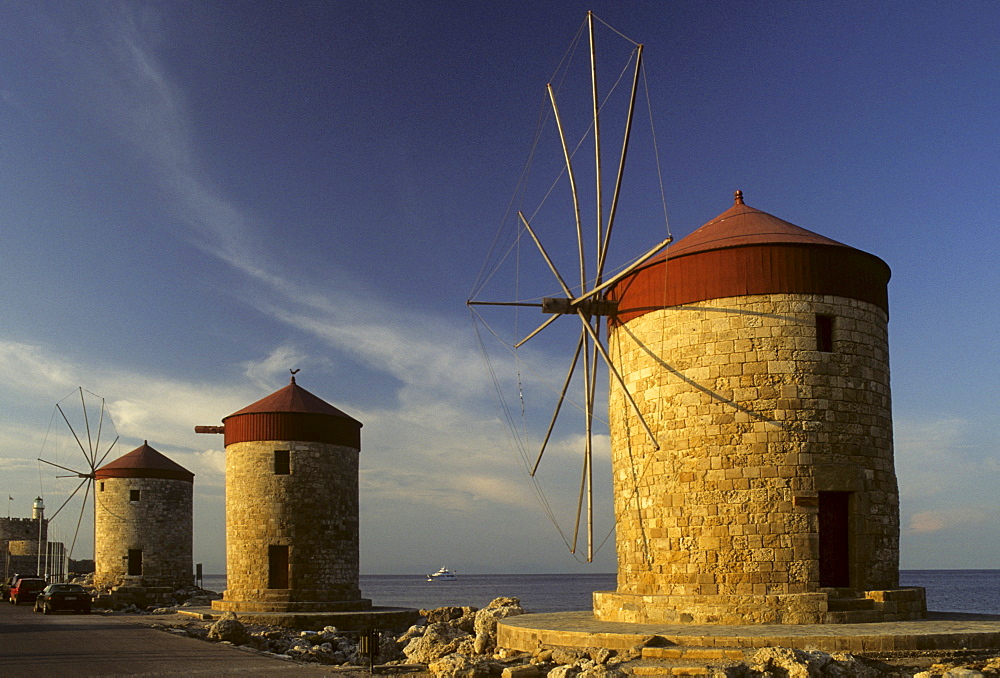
[947,590]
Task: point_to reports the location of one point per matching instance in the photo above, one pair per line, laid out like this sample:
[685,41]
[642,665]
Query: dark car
[63,597]
[25,590]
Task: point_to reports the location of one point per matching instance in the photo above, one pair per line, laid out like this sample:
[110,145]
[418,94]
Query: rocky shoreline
[460,642]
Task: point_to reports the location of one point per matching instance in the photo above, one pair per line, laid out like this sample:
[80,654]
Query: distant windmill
[92,455]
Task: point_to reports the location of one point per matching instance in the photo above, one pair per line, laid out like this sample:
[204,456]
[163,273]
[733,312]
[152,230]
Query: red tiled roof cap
[292,399]
[743,225]
[144,462]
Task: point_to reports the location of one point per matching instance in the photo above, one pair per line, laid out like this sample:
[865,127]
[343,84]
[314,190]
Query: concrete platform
[941,631]
[395,618]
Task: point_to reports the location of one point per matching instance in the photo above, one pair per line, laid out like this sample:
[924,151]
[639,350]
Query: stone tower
[291,506]
[757,351]
[143,521]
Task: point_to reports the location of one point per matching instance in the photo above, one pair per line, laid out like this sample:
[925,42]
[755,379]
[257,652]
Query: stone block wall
[312,509]
[753,423]
[160,524]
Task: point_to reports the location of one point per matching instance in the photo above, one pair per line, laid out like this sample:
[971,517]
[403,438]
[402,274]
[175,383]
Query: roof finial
[294,372]
[738,198]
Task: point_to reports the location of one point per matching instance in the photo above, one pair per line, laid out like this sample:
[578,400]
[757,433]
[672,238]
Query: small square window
[824,333]
[102,486]
[133,495]
[282,462]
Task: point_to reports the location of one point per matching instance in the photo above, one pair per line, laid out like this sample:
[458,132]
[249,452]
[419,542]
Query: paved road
[65,644]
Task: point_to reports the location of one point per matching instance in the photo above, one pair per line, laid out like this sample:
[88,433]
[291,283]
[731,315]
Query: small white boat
[444,574]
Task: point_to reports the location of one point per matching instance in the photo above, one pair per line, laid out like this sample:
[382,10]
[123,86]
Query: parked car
[8,584]
[63,597]
[25,590]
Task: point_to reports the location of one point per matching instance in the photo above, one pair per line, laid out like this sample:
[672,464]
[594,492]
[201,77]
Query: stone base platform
[940,631]
[383,618]
[824,606]
[253,606]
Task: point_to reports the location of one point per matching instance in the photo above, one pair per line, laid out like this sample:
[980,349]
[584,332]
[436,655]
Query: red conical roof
[292,398]
[144,462]
[292,414]
[745,251]
[743,225]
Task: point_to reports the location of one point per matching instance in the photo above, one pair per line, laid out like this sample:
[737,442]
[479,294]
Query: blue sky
[197,196]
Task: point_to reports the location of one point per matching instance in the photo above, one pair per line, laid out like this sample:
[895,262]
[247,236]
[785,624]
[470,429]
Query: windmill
[586,300]
[87,435]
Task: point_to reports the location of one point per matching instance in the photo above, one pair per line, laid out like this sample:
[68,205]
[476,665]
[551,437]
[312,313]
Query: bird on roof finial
[294,372]
[738,198]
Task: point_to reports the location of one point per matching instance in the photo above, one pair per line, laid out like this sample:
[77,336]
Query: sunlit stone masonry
[291,506]
[143,521]
[757,352]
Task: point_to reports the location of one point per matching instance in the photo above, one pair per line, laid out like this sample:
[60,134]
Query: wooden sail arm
[627,272]
[618,377]
[536,331]
[559,402]
[82,449]
[105,455]
[545,255]
[85,478]
[603,254]
[597,139]
[64,468]
[572,188]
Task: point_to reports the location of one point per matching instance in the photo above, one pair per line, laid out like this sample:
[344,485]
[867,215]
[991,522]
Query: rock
[229,629]
[482,644]
[565,655]
[601,671]
[438,640]
[458,666]
[600,655]
[523,671]
[446,614]
[565,671]
[486,620]
[782,661]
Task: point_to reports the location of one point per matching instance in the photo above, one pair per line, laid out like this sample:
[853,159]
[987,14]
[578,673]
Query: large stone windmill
[757,354]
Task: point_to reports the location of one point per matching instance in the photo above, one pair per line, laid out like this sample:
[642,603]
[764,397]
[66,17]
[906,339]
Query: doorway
[134,562]
[277,567]
[834,539]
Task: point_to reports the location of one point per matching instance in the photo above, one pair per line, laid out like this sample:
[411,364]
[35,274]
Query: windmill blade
[559,402]
[625,273]
[76,473]
[100,428]
[53,516]
[545,255]
[538,329]
[79,519]
[621,381]
[603,255]
[572,188]
[597,140]
[72,430]
[86,420]
[105,456]
[579,504]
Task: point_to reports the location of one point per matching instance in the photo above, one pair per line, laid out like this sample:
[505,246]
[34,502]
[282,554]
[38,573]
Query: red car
[25,590]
